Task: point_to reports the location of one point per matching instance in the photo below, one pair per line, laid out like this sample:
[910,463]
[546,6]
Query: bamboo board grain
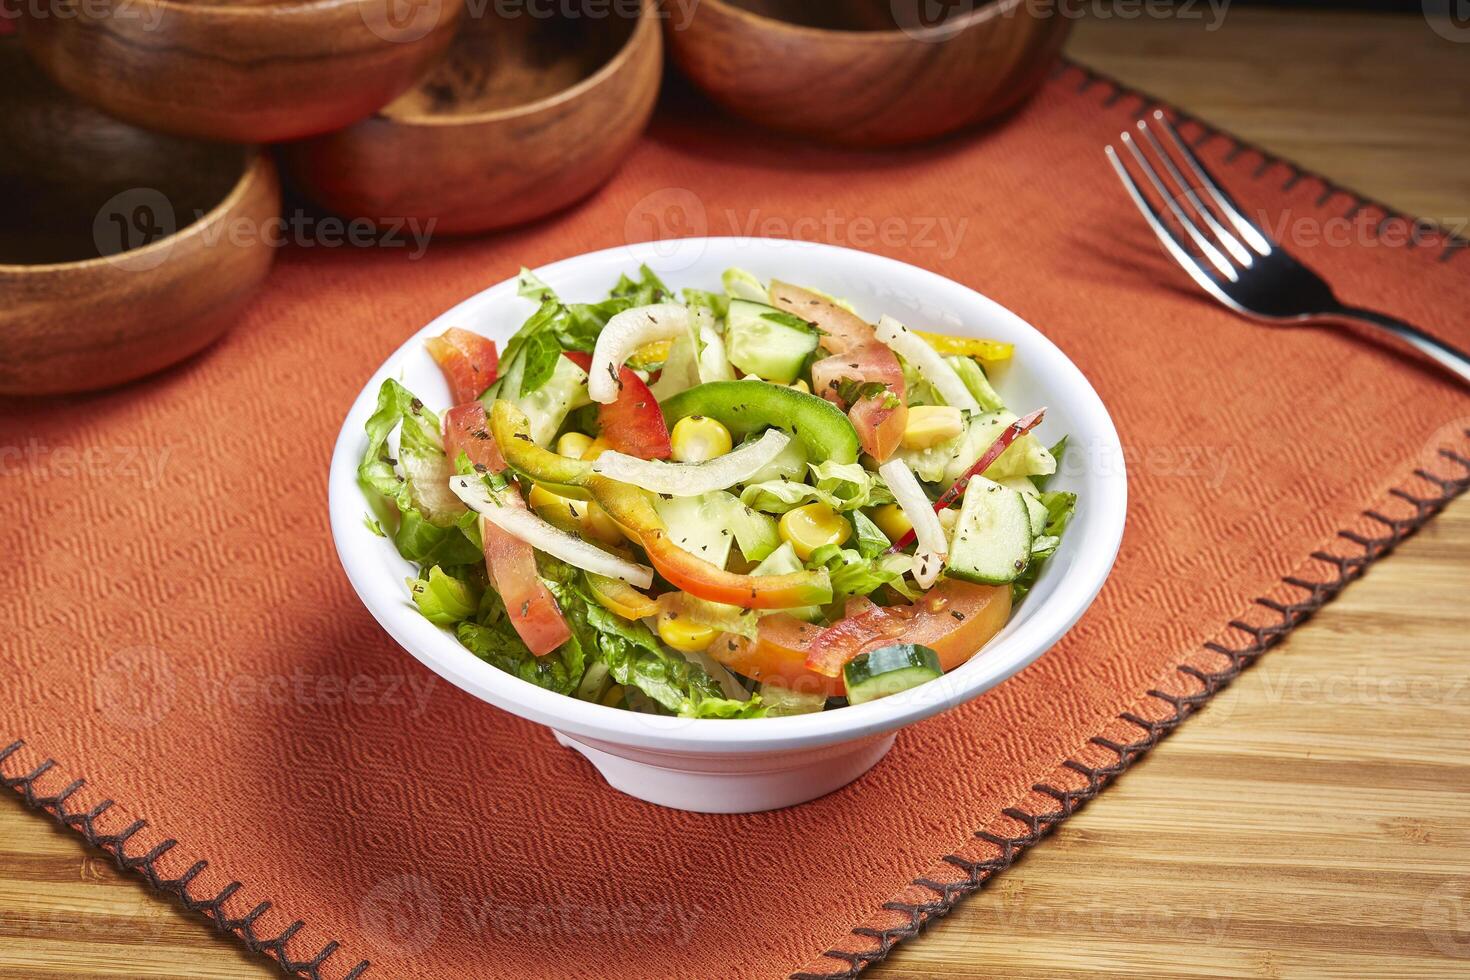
[1313,821]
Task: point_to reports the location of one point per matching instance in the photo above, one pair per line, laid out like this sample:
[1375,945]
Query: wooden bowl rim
[643,33]
[255,169]
[976,15]
[275,7]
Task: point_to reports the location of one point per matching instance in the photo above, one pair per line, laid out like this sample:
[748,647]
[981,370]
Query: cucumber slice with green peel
[767,342]
[888,670]
[1034,506]
[992,538]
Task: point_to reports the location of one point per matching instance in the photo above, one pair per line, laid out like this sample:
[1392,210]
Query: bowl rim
[442,653]
[256,167]
[645,31]
[979,14]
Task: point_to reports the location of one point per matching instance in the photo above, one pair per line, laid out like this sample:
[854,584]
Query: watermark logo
[1446,918]
[1450,19]
[931,20]
[401,21]
[403,913]
[135,689]
[129,222]
[663,217]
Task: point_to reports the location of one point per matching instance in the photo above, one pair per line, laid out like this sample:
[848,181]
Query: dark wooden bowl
[522,116]
[121,250]
[250,71]
[864,71]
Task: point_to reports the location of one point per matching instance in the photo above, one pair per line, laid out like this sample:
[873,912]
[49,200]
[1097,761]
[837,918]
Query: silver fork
[1234,261]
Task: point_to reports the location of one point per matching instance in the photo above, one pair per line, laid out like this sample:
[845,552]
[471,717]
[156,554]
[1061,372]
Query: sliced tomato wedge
[778,654]
[632,423]
[841,328]
[467,430]
[529,604]
[469,362]
[954,618]
[879,423]
[511,562]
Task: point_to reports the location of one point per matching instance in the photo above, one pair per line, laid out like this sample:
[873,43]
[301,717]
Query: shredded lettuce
[634,657]
[974,379]
[841,486]
[871,542]
[443,599]
[427,531]
[853,575]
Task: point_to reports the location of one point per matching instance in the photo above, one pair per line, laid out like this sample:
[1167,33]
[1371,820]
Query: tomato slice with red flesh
[777,654]
[469,362]
[531,607]
[841,328]
[954,618]
[511,562]
[633,423]
[467,430]
[878,421]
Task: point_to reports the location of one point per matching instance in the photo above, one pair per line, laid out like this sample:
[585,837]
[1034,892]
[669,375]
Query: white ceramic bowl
[725,766]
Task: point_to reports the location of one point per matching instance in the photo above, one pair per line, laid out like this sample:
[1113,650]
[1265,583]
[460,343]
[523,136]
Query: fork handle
[1446,354]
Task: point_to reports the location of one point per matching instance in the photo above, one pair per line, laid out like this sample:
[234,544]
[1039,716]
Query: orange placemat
[192,684]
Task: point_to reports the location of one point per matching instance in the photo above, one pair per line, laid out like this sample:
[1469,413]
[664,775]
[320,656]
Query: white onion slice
[928,363]
[521,523]
[693,479]
[625,333]
[932,547]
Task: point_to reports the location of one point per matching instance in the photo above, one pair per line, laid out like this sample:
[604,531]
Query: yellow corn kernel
[685,635]
[582,517]
[930,425]
[573,444]
[698,438]
[595,449]
[800,385]
[891,521]
[811,526]
[614,696]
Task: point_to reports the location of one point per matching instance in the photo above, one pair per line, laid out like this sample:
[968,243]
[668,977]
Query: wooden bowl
[864,71]
[106,273]
[251,71]
[522,116]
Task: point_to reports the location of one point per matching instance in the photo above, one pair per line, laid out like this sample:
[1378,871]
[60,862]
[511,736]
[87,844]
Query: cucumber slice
[888,670]
[697,527]
[764,341]
[992,538]
[1034,506]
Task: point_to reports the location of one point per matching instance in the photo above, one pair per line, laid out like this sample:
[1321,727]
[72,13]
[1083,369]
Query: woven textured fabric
[179,634]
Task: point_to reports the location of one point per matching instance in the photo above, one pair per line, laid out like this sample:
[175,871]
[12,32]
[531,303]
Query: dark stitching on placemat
[1262,638]
[243,929]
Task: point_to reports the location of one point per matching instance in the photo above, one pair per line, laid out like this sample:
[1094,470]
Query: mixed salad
[728,504]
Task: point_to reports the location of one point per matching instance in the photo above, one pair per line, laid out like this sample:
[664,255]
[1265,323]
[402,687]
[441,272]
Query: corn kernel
[573,444]
[811,526]
[891,520]
[698,438]
[800,385]
[930,425]
[685,635]
[948,518]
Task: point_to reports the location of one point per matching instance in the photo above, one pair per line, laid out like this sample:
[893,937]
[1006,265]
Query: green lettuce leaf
[841,486]
[444,599]
[871,542]
[1060,505]
[852,574]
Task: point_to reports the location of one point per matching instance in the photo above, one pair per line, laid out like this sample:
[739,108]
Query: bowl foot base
[730,784]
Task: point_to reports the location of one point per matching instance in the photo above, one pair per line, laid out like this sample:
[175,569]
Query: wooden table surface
[1314,820]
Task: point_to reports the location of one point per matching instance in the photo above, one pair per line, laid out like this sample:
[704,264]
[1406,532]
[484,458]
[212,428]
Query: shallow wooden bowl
[121,250]
[521,117]
[251,71]
[864,71]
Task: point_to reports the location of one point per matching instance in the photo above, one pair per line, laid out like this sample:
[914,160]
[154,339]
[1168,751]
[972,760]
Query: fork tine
[1253,235]
[1171,244]
[1231,244]
[1212,253]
